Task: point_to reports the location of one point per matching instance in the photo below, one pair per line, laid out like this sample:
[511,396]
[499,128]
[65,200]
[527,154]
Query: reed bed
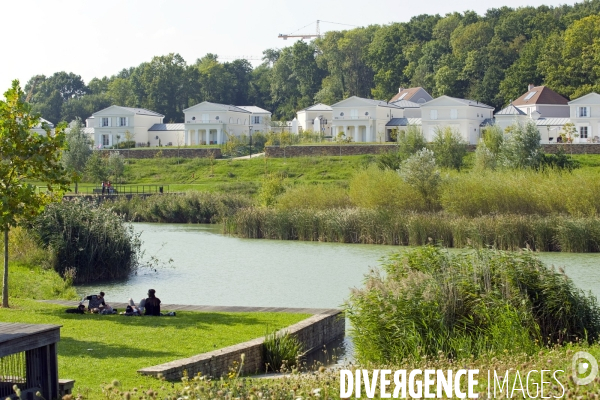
[188,207]
[474,193]
[368,226]
[430,303]
[88,243]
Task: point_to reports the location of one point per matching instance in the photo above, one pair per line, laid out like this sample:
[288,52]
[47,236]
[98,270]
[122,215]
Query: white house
[545,101]
[38,128]
[307,118]
[361,119]
[117,124]
[416,95]
[464,116]
[510,115]
[210,123]
[585,115]
[167,135]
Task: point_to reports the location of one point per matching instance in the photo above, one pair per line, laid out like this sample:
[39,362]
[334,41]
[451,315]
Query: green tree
[115,165]
[25,157]
[420,171]
[77,152]
[521,147]
[410,141]
[449,148]
[95,168]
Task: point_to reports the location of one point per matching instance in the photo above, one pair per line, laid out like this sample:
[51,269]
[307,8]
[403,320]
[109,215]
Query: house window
[105,121]
[433,114]
[583,112]
[122,121]
[256,120]
[453,113]
[105,140]
[354,114]
[583,132]
[205,118]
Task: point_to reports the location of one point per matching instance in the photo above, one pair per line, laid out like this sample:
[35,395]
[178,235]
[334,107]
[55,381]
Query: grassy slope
[246,175]
[98,348]
[204,174]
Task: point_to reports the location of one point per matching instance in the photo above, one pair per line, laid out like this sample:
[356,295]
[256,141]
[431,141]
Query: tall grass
[317,196]
[481,193]
[487,302]
[281,351]
[88,243]
[189,207]
[355,225]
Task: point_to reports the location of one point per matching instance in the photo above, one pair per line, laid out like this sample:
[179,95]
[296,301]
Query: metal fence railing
[116,189]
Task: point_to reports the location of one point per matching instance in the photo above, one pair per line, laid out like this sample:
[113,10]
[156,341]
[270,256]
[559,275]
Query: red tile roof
[542,95]
[410,92]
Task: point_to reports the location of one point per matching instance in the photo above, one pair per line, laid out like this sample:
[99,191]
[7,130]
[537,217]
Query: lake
[210,268]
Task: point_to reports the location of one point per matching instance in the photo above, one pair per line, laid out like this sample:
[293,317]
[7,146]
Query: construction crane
[306,36]
[317,33]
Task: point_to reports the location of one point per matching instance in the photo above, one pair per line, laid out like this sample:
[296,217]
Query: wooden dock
[28,359]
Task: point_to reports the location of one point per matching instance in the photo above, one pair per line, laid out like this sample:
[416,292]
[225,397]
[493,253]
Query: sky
[100,38]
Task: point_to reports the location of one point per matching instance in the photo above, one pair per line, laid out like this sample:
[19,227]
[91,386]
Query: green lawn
[237,175]
[96,349]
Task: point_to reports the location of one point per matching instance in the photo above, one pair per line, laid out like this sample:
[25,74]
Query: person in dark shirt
[95,302]
[152,306]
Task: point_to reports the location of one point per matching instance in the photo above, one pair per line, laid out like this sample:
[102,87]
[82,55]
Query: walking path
[181,307]
[249,157]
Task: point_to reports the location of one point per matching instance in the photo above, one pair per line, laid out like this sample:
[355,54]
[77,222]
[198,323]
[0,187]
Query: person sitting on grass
[133,310]
[95,303]
[152,306]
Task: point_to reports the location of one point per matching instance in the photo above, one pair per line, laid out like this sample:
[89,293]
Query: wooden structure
[28,359]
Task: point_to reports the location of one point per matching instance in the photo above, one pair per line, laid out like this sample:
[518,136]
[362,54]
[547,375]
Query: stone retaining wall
[168,153]
[359,149]
[313,333]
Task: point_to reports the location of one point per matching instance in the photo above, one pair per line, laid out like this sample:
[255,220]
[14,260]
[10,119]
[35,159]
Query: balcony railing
[354,117]
[205,121]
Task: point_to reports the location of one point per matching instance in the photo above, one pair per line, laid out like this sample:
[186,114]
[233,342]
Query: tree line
[490,58]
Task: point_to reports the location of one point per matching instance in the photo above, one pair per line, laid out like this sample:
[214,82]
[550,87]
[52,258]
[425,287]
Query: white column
[356,134]
[186,138]
[333,132]
[369,133]
[220,136]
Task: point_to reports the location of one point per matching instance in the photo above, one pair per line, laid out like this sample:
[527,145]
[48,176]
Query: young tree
[420,171]
[115,165]
[410,142]
[449,148]
[24,157]
[522,148]
[95,168]
[77,152]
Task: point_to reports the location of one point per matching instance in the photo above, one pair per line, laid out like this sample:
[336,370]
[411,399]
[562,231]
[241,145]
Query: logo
[584,363]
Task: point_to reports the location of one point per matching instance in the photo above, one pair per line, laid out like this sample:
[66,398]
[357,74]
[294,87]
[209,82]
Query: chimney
[400,89]
[530,87]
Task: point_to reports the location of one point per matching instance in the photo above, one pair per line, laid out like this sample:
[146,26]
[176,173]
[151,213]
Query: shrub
[281,351]
[521,147]
[93,243]
[449,148]
[420,172]
[410,141]
[272,186]
[431,302]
